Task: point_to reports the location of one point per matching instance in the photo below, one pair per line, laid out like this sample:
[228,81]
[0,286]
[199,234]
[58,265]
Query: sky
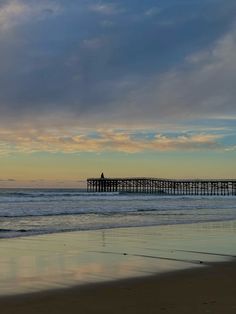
[128,87]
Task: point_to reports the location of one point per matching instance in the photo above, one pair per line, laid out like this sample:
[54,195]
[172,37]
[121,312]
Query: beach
[117,157]
[197,291]
[157,269]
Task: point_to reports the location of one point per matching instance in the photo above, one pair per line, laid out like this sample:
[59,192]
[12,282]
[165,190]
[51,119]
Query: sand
[165,269]
[210,289]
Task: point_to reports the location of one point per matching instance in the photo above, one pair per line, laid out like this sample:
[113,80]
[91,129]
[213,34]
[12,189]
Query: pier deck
[162,186]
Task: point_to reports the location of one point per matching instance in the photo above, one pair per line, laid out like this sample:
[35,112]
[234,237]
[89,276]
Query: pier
[162,186]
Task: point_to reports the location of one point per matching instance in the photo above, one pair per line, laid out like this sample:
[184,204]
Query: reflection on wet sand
[66,259]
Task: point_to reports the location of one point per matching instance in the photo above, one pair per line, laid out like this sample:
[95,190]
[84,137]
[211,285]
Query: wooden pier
[162,186]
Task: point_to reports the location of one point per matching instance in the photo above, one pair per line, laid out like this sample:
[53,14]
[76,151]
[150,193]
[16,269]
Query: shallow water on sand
[62,260]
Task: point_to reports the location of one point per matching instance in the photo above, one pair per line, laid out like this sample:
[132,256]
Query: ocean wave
[14,233]
[15,230]
[56,194]
[29,212]
[170,211]
[73,213]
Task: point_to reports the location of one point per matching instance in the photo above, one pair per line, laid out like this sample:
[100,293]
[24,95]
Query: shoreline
[209,289]
[103,229]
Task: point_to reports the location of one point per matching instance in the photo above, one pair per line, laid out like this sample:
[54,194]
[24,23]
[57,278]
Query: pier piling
[162,186]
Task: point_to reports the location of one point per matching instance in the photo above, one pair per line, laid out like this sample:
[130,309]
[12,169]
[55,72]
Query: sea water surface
[41,211]
[168,233]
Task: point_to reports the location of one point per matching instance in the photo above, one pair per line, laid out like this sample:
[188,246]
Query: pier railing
[162,186]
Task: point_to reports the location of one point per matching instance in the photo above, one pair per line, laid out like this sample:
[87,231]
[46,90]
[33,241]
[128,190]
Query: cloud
[204,85]
[10,11]
[7,180]
[61,66]
[153,11]
[200,88]
[105,8]
[14,12]
[104,141]
[93,43]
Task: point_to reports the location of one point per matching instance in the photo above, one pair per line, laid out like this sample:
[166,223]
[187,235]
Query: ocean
[41,211]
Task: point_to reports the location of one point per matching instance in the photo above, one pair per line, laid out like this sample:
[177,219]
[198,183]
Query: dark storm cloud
[109,60]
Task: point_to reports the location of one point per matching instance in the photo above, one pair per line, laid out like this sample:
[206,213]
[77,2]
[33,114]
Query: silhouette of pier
[162,186]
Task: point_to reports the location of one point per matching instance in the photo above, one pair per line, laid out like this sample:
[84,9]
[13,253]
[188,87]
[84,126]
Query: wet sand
[206,290]
[160,269]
